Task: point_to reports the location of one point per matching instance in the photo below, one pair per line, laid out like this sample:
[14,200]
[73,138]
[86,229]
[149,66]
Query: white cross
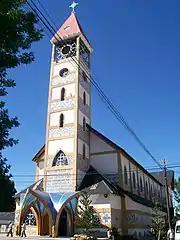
[73,5]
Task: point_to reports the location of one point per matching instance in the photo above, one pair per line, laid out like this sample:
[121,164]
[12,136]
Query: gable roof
[39,154]
[94,177]
[70,28]
[115,146]
[94,180]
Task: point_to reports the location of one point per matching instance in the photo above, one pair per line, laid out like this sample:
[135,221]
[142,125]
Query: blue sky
[136,62]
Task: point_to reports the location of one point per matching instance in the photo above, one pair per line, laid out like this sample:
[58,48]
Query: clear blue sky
[136,61]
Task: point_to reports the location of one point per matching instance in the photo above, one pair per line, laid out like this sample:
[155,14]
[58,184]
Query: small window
[61,121]
[84,98]
[84,76]
[63,94]
[125,175]
[84,124]
[134,181]
[84,151]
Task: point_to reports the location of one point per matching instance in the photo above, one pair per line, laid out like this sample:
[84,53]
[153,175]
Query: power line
[103,96]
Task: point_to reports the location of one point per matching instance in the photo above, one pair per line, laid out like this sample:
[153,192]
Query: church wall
[66,144]
[81,115]
[136,176]
[105,163]
[81,92]
[80,148]
[69,117]
[98,145]
[109,209]
[40,167]
[80,177]
[65,64]
[138,217]
[40,170]
[69,88]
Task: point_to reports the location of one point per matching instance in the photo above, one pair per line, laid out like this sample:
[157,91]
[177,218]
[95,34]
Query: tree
[86,217]
[158,225]
[18,31]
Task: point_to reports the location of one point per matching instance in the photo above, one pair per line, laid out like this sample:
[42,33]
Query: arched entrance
[45,214]
[63,224]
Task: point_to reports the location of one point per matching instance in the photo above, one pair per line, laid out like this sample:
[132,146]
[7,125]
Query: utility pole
[167,195]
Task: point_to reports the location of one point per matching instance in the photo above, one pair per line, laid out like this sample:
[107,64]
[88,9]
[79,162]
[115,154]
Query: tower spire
[73,6]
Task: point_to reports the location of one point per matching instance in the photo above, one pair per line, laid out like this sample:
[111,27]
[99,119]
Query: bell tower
[69,109]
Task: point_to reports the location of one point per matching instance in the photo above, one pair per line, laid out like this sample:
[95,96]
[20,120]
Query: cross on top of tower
[73,6]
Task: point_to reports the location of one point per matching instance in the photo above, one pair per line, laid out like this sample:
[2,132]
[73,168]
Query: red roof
[70,28]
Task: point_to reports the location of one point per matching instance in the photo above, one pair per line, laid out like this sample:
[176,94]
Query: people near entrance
[23,230]
[10,229]
[110,234]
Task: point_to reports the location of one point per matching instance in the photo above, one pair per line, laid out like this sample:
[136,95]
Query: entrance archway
[63,224]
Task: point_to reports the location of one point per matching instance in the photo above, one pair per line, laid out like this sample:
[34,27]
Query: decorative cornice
[62,105]
[61,132]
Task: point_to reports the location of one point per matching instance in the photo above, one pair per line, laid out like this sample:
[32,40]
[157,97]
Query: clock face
[65,51]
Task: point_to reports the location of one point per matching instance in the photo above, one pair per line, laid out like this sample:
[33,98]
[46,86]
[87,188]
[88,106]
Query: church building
[76,156]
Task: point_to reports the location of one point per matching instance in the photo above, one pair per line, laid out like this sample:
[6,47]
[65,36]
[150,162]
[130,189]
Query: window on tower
[84,124]
[63,94]
[84,151]
[84,98]
[84,76]
[61,121]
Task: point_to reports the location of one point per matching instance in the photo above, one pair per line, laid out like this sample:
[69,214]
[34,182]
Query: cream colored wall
[40,170]
[105,163]
[99,201]
[98,145]
[63,64]
[69,91]
[111,201]
[67,145]
[69,117]
[132,205]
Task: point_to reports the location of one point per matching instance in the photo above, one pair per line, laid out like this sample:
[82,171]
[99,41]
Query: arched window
[141,186]
[61,121]
[134,181]
[84,98]
[63,94]
[84,76]
[60,159]
[84,124]
[30,219]
[84,151]
[125,175]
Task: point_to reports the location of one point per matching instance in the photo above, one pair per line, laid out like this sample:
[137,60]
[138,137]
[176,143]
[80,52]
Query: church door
[63,224]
